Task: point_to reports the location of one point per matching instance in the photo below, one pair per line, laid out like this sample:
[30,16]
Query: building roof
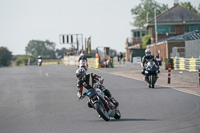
[194,35]
[177,14]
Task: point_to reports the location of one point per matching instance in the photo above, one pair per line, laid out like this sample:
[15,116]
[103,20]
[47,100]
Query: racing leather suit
[82,58]
[146,59]
[90,81]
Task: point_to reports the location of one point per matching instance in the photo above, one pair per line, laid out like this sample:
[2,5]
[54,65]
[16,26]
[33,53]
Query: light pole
[147,17]
[156,34]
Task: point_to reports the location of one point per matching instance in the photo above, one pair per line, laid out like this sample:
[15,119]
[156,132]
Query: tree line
[145,7]
[34,48]
[45,49]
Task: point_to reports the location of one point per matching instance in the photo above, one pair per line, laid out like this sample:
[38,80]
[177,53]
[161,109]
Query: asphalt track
[43,100]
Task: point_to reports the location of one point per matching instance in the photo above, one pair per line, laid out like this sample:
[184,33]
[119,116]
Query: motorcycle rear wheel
[117,114]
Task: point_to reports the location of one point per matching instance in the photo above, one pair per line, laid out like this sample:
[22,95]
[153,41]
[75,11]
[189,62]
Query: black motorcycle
[101,103]
[151,72]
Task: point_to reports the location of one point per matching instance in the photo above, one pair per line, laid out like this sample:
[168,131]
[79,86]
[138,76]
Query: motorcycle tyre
[117,114]
[152,81]
[99,106]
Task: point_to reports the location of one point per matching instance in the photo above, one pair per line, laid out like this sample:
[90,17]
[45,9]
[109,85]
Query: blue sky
[106,21]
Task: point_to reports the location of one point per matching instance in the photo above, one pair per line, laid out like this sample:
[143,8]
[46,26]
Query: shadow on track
[160,87]
[133,119]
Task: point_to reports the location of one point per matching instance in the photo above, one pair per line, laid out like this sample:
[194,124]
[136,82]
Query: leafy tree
[22,60]
[60,52]
[189,6]
[5,56]
[146,7]
[46,49]
[146,40]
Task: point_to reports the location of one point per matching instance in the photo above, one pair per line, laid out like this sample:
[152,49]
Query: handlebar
[83,96]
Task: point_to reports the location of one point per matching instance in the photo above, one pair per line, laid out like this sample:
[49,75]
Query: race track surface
[43,100]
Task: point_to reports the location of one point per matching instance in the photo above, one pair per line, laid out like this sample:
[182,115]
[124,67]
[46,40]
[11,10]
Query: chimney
[176,2]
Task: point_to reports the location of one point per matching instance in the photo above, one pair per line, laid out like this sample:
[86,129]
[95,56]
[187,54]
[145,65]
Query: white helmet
[147,52]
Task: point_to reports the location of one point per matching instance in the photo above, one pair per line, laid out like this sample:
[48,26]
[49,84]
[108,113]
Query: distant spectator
[98,57]
[120,57]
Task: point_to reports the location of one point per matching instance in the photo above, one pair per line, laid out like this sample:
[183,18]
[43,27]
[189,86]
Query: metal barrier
[179,64]
[189,64]
[93,62]
[51,62]
[71,60]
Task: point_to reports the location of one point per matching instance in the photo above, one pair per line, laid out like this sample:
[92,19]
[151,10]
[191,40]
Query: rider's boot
[112,99]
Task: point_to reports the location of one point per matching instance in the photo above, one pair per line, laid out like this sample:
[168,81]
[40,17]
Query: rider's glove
[79,94]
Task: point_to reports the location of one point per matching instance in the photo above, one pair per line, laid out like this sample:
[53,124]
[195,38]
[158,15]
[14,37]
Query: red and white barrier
[199,76]
[169,74]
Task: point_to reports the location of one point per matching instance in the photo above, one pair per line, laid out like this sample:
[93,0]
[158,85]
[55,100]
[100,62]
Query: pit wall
[73,61]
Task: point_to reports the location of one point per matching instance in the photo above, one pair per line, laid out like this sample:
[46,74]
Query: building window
[143,34]
[192,27]
[187,28]
[136,34]
[163,29]
[172,29]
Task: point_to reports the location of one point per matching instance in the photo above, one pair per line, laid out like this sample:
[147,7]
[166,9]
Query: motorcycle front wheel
[153,78]
[102,111]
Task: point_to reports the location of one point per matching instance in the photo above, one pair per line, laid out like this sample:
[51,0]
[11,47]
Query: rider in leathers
[89,81]
[147,58]
[82,57]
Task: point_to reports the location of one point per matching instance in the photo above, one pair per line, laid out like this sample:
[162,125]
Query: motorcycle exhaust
[111,113]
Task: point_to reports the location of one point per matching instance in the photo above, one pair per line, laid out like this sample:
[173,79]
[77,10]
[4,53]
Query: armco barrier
[189,64]
[51,62]
[192,64]
[182,64]
[71,60]
[93,62]
[179,64]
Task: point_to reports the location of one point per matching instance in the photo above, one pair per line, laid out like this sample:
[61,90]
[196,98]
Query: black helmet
[80,73]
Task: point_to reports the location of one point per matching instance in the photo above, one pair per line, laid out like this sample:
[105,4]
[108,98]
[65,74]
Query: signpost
[71,39]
